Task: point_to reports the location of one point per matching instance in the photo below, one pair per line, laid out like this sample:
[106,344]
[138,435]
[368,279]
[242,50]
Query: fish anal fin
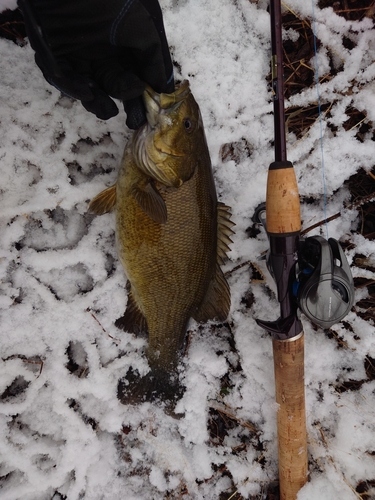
[104,202]
[133,320]
[216,303]
[150,201]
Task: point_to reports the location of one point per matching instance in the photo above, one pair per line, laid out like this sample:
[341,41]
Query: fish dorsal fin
[104,202]
[133,320]
[224,231]
[150,201]
[216,303]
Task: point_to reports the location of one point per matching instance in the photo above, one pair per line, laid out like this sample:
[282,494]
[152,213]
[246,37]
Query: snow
[64,433]
[8,4]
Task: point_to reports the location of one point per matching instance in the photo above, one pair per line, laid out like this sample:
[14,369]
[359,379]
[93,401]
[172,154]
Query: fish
[172,237]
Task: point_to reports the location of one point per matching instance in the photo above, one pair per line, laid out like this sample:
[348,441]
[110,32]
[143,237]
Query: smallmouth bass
[172,236]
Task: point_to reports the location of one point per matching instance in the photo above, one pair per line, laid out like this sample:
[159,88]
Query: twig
[321,223]
[221,408]
[37,362]
[356,125]
[367,283]
[330,458]
[233,495]
[341,11]
[102,327]
[303,21]
[236,268]
[364,199]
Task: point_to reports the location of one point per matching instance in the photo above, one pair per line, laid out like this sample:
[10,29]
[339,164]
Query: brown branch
[364,199]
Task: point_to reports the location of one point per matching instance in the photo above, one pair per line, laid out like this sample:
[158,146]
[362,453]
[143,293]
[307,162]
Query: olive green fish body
[168,265]
[172,234]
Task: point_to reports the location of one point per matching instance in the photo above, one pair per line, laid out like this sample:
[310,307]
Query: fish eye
[188,124]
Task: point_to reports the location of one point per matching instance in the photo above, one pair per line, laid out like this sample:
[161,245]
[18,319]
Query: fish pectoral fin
[104,202]
[216,303]
[133,320]
[151,202]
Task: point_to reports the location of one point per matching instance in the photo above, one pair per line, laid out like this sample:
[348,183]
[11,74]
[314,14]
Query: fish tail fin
[133,320]
[104,202]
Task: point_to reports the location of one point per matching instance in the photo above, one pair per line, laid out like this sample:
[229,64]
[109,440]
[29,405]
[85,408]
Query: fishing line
[316,74]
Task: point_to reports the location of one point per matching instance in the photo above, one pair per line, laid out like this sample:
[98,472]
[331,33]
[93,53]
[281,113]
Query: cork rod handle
[291,416]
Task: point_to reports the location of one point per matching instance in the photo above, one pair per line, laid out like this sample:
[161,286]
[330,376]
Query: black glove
[93,49]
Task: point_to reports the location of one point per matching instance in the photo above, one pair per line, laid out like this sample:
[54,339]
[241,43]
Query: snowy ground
[64,433]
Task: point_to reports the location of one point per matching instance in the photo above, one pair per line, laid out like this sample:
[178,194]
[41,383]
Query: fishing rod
[310,274]
[283,226]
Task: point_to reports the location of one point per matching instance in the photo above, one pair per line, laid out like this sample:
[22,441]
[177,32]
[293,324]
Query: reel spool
[323,286]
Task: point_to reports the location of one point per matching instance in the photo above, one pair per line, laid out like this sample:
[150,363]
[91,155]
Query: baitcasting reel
[323,286]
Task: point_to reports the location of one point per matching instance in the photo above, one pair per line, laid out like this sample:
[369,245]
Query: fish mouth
[155,102]
[150,148]
[156,107]
[158,104]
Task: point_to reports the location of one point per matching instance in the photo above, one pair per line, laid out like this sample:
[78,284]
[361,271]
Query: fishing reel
[323,286]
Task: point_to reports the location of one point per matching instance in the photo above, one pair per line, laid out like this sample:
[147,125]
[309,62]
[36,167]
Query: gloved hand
[93,49]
